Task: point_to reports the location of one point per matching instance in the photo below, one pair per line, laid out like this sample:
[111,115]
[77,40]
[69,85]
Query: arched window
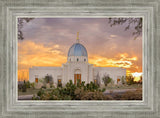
[84,59]
[77,59]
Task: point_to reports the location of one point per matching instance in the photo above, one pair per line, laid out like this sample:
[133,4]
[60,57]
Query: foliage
[40,92]
[123,79]
[51,85]
[32,85]
[44,87]
[106,79]
[20,86]
[85,92]
[24,87]
[48,79]
[35,97]
[21,22]
[80,91]
[137,22]
[28,84]
[130,80]
[59,85]
[78,83]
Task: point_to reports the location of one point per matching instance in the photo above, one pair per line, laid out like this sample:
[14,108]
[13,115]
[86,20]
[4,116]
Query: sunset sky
[47,41]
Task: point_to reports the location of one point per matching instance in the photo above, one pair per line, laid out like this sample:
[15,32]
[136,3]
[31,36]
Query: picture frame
[148,10]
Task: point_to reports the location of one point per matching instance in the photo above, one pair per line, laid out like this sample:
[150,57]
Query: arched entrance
[77,76]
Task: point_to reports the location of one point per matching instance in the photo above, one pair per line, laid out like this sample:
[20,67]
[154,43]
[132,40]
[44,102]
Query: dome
[77,49]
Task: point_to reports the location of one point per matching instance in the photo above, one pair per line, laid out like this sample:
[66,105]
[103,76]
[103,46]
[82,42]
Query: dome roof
[77,49]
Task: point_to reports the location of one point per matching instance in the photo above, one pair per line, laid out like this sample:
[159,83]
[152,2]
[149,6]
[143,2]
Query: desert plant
[40,92]
[106,79]
[78,82]
[35,97]
[28,85]
[73,92]
[24,88]
[51,85]
[92,86]
[123,79]
[20,86]
[130,80]
[32,85]
[44,87]
[48,79]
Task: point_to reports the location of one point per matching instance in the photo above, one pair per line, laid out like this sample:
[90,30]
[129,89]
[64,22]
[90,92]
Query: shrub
[32,85]
[48,79]
[73,92]
[40,92]
[123,79]
[103,90]
[28,85]
[78,83]
[106,79]
[52,86]
[44,87]
[92,87]
[20,86]
[130,80]
[89,91]
[59,85]
[24,88]
[79,92]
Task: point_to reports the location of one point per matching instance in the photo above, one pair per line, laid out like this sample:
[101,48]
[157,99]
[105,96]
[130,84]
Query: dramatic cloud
[47,41]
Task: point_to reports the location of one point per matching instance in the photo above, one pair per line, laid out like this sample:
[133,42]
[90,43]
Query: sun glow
[137,76]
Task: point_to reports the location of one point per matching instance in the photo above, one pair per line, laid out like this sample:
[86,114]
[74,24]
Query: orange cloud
[113,36]
[120,60]
[32,54]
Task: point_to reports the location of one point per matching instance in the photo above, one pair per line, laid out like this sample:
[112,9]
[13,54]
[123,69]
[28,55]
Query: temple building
[77,68]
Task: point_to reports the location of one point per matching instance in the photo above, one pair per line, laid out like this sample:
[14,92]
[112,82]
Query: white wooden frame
[148,10]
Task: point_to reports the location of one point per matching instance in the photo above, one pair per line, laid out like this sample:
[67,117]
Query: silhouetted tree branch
[21,22]
[137,22]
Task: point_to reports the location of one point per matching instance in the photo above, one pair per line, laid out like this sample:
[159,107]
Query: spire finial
[77,37]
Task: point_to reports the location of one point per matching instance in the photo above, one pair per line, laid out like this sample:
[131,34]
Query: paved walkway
[25,97]
[118,91]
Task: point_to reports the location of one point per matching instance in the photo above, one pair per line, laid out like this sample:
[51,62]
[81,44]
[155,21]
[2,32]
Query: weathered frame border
[90,8]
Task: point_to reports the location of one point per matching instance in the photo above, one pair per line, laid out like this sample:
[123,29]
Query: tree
[21,22]
[28,84]
[24,87]
[137,22]
[98,79]
[130,80]
[106,79]
[48,79]
[123,79]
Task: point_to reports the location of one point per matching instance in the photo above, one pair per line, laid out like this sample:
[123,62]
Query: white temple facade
[77,67]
